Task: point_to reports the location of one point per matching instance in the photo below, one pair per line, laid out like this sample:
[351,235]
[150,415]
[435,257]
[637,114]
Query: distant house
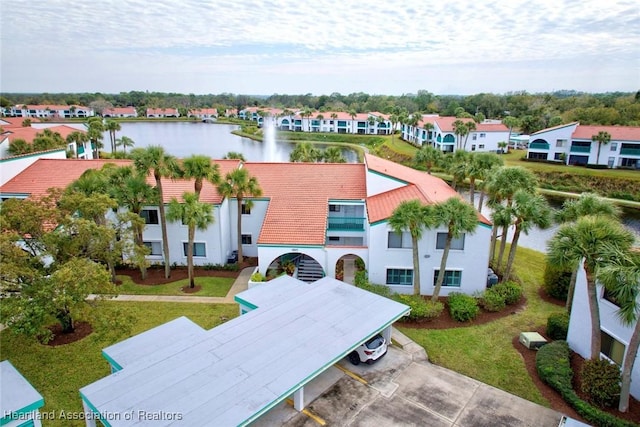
[440,133]
[120,112]
[614,335]
[51,111]
[204,113]
[162,112]
[343,216]
[336,122]
[572,144]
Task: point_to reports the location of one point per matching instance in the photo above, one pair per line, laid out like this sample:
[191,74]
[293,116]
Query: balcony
[539,146]
[630,151]
[580,149]
[345,223]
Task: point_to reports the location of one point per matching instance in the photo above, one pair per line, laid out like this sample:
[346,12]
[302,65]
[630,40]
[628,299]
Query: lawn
[211,287]
[59,372]
[485,352]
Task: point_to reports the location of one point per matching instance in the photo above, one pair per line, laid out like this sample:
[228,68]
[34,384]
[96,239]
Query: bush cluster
[511,291]
[601,382]
[558,326]
[463,307]
[221,267]
[257,277]
[556,281]
[492,300]
[554,368]
[420,308]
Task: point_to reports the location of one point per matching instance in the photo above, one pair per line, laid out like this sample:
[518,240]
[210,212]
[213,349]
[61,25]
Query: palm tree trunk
[598,155]
[595,314]
[140,242]
[239,219]
[472,190]
[503,245]
[627,366]
[481,201]
[416,267]
[192,233]
[512,253]
[163,225]
[443,266]
[494,241]
[572,287]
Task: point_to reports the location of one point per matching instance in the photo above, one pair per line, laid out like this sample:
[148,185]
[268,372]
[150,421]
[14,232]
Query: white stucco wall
[12,166]
[579,335]
[377,183]
[551,138]
[490,140]
[267,254]
[251,224]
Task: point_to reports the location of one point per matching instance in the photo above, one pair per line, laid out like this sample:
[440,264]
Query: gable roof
[15,122]
[29,133]
[618,133]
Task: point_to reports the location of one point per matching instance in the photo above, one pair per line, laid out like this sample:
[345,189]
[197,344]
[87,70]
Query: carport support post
[386,334]
[90,415]
[298,399]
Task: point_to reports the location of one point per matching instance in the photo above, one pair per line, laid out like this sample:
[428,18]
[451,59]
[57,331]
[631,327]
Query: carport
[232,374]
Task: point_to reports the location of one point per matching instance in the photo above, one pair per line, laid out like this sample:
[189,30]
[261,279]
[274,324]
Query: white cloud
[275,44]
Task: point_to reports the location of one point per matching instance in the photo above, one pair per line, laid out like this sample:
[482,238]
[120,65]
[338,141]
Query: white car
[372,350]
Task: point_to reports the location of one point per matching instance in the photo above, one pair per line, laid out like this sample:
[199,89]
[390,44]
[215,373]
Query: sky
[386,47]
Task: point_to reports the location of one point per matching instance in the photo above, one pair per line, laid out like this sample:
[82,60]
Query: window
[614,146]
[155,248]
[246,239]
[611,347]
[334,238]
[452,278]
[482,135]
[561,143]
[246,209]
[559,156]
[399,276]
[150,216]
[198,249]
[456,244]
[474,137]
[481,146]
[334,208]
[399,240]
[473,148]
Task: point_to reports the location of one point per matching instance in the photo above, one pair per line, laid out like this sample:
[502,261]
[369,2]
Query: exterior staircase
[309,270]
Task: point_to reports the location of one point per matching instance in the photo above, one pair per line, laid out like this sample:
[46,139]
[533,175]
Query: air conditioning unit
[532,340]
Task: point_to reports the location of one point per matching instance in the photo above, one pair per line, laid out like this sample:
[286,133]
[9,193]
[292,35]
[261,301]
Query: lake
[182,139]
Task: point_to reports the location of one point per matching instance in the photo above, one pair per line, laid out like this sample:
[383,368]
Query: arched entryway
[300,266]
[347,266]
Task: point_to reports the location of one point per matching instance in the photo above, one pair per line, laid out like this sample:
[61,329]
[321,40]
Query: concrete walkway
[241,284]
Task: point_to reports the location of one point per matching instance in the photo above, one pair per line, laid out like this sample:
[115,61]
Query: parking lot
[398,391]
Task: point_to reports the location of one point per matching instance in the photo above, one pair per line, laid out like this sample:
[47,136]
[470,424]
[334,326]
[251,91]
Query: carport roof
[237,371]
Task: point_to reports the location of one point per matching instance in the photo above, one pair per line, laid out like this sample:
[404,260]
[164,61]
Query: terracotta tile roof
[28,134]
[15,122]
[618,133]
[208,111]
[428,188]
[52,107]
[165,111]
[209,194]
[299,195]
[120,110]
[555,127]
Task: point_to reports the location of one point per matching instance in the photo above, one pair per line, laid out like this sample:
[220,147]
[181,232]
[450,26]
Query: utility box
[532,340]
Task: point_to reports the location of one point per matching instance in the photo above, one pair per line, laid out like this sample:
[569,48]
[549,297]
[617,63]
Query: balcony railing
[345,223]
[539,146]
[580,149]
[630,151]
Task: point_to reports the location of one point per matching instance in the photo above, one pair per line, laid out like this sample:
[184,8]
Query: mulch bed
[82,329]
[155,276]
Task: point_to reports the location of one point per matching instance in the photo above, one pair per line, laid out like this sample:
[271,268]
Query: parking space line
[310,414]
[351,374]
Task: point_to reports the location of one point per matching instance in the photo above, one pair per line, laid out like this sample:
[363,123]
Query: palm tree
[502,145]
[589,240]
[95,128]
[484,164]
[510,122]
[413,216]
[79,138]
[304,152]
[459,217]
[234,155]
[458,167]
[333,155]
[572,210]
[125,142]
[621,277]
[528,210]
[334,117]
[459,129]
[307,112]
[200,168]
[194,214]
[112,126]
[602,138]
[239,184]
[428,156]
[471,126]
[153,160]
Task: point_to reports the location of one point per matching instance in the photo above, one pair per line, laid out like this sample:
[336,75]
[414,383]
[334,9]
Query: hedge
[463,307]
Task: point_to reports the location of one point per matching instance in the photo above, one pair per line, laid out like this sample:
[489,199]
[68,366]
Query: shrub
[381,290]
[360,278]
[511,291]
[491,300]
[221,267]
[359,264]
[556,281]
[601,382]
[554,368]
[257,277]
[558,326]
[463,307]
[420,308]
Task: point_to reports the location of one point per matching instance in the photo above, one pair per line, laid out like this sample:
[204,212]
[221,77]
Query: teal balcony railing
[539,146]
[580,149]
[630,151]
[345,223]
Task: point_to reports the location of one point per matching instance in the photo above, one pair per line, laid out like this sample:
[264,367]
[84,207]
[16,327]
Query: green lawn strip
[485,352]
[59,372]
[211,287]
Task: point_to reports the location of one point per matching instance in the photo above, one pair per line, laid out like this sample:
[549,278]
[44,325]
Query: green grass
[59,372]
[485,352]
[211,287]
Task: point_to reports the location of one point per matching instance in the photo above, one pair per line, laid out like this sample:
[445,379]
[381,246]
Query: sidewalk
[241,284]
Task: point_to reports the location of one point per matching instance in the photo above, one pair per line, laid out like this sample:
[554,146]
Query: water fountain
[269,140]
